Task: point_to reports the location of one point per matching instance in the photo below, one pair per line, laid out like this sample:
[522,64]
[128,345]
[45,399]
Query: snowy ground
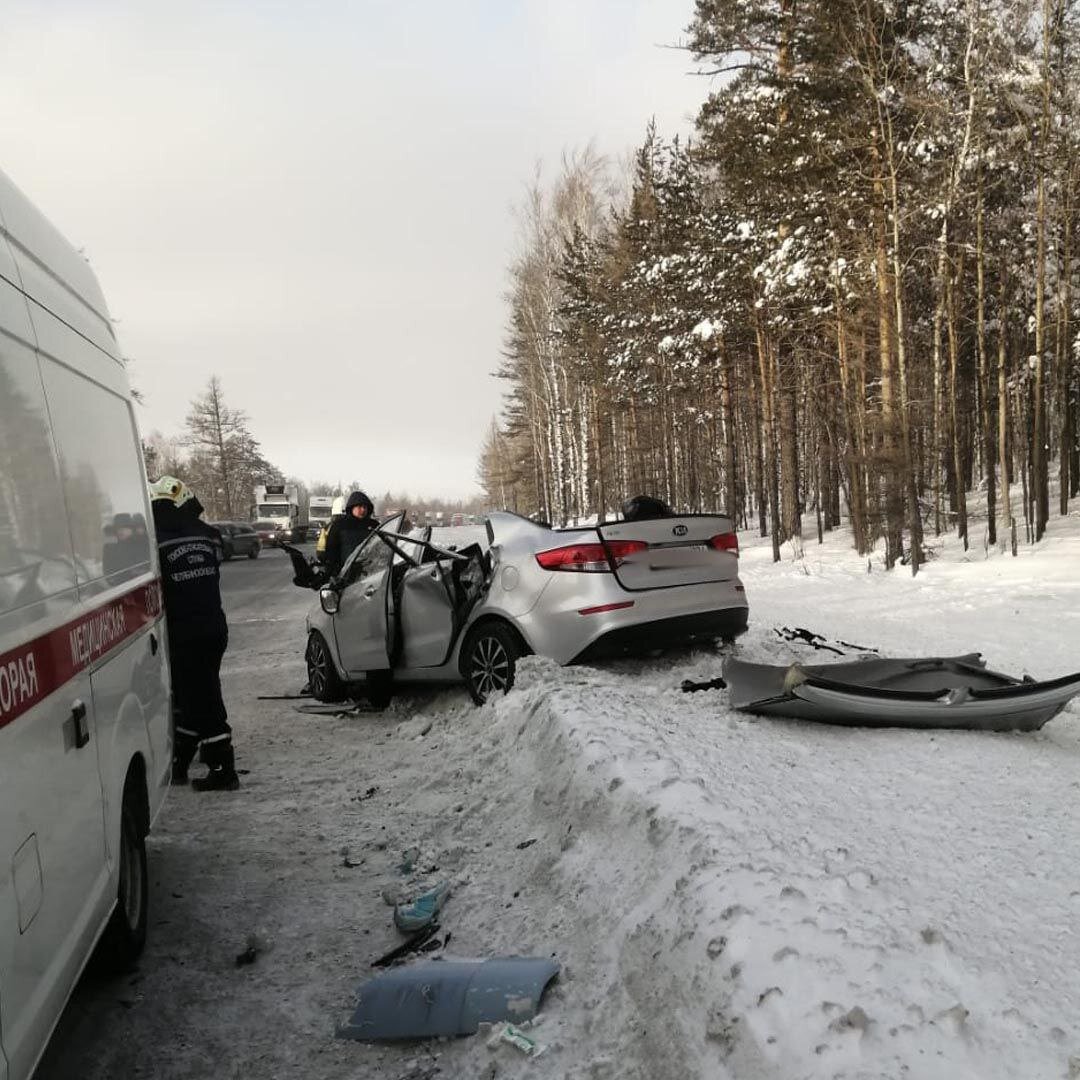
[729,896]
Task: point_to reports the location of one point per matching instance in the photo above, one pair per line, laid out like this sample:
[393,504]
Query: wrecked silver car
[405,609]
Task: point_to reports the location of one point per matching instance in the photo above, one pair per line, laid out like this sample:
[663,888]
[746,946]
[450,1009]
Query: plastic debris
[416,943]
[691,687]
[421,912]
[430,998]
[514,1036]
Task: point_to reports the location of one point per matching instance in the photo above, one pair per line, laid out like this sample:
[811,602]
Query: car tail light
[590,558]
[724,542]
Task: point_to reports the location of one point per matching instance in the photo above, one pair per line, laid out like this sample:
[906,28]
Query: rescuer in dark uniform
[349,531]
[198,635]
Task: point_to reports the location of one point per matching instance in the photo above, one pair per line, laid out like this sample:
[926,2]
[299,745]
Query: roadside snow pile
[747,898]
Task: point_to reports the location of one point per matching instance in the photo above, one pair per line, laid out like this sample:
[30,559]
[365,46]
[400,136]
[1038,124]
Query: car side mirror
[328,599]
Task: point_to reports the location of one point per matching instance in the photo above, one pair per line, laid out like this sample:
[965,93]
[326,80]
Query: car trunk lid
[691,549]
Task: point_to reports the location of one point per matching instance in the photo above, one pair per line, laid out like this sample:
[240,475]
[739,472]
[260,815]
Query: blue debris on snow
[449,997]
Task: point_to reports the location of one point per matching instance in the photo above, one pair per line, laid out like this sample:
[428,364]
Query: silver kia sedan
[406,610]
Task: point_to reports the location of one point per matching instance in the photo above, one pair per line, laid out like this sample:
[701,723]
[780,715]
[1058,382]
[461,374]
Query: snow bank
[751,898]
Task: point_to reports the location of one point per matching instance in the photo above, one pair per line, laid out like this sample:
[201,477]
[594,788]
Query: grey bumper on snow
[932,692]
[449,997]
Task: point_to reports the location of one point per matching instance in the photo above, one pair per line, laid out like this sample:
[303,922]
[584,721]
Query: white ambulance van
[85,742]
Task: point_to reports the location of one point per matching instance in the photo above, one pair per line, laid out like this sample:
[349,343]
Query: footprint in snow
[733,912]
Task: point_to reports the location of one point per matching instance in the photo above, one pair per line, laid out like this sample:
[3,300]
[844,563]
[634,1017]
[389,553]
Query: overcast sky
[314,200]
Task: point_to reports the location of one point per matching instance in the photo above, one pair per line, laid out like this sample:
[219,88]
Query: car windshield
[273,510]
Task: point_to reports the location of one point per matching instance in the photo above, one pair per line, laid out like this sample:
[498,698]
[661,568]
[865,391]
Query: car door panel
[363,624]
[427,617]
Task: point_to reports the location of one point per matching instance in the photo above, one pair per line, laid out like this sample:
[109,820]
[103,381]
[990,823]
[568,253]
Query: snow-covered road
[729,897]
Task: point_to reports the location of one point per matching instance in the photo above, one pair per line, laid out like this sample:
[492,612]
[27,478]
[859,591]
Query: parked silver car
[406,610]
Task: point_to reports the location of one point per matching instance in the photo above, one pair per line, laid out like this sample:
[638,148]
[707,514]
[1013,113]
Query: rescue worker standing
[348,532]
[198,635]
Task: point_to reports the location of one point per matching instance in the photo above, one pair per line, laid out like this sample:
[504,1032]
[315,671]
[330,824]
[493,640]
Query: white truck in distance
[280,513]
[320,510]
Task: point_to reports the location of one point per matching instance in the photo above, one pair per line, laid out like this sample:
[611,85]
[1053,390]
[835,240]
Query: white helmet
[168,487]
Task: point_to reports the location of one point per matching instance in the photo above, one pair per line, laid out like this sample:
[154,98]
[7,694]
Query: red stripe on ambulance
[31,672]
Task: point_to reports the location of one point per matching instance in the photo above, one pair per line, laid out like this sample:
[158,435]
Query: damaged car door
[364,622]
[427,615]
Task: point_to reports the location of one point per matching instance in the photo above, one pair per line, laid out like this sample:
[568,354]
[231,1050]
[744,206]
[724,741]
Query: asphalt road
[248,583]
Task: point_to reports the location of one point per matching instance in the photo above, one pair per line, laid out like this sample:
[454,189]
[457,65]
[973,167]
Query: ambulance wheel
[124,937]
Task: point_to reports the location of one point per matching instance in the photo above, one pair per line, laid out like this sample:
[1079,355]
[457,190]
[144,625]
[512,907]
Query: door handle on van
[82,729]
[153,645]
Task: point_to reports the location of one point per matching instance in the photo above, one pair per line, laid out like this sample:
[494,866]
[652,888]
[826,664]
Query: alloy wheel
[490,669]
[317,668]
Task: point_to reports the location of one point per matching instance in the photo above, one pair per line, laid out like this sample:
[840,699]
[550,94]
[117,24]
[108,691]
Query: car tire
[125,936]
[489,660]
[325,683]
[226,553]
[379,688]
[253,553]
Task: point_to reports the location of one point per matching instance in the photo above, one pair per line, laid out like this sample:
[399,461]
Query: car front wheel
[254,552]
[325,683]
[489,661]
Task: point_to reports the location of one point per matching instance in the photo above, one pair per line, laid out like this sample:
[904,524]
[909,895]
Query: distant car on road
[271,534]
[238,538]
[457,519]
[406,610]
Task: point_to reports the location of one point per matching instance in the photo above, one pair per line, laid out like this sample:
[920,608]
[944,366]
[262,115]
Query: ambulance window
[35,551]
[101,470]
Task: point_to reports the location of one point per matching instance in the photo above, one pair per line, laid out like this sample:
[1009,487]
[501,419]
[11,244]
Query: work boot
[222,775]
[184,747]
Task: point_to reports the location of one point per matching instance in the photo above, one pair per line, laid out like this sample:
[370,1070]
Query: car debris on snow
[449,997]
[510,1035]
[927,692]
[800,636]
[423,910]
[415,943]
[689,686]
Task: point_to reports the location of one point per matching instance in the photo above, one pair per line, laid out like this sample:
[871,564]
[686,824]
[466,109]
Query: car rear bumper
[664,632]
[572,611]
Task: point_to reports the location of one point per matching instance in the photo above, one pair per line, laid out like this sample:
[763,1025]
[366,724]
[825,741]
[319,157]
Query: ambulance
[85,742]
